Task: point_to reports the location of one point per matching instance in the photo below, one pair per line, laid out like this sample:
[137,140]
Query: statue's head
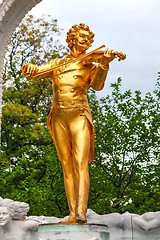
[10,209]
[80,36]
[5,216]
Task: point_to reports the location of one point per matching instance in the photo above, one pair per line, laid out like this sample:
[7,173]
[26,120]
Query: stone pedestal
[73,232]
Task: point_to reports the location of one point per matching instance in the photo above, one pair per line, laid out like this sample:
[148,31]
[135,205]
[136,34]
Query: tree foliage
[125,172]
[127,147]
[30,169]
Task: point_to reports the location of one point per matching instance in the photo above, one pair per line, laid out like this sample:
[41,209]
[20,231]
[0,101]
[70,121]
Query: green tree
[127,146]
[30,169]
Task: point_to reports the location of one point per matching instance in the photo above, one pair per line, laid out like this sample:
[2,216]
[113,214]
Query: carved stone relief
[13,222]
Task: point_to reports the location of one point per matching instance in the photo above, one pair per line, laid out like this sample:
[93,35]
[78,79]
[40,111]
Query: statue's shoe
[81,218]
[70,220]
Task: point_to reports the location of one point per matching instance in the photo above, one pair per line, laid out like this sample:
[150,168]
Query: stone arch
[11,13]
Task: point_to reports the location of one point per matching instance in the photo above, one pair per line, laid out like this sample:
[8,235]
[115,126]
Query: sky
[128,26]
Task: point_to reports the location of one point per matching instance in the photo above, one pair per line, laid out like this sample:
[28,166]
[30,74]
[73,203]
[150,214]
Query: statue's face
[5,216]
[83,40]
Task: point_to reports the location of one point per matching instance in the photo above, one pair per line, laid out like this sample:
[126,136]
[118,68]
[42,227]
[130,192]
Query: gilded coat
[70,85]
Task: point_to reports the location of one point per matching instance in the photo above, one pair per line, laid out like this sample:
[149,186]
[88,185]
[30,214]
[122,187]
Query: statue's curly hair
[18,210]
[71,34]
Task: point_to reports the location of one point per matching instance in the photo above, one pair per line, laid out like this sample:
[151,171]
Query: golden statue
[70,121]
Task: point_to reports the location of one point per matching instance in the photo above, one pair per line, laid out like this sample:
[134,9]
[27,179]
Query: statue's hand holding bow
[29,70]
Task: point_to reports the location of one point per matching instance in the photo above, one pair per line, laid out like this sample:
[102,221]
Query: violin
[93,56]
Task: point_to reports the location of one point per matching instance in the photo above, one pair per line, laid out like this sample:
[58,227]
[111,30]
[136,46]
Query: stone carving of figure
[147,221]
[13,223]
[70,121]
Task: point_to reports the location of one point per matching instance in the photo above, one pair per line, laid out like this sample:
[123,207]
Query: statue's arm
[30,225]
[148,224]
[30,70]
[98,77]
[99,74]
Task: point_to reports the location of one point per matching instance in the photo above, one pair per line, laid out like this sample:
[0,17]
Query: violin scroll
[119,55]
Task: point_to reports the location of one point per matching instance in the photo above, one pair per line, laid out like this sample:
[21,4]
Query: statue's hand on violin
[29,70]
[109,56]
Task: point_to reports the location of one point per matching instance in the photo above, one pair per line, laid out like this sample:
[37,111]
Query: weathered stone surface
[74,231]
[14,223]
[120,226]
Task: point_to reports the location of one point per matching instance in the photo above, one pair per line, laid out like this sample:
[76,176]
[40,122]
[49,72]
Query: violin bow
[71,61]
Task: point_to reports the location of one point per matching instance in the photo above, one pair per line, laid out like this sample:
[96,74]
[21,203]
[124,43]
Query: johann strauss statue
[70,121]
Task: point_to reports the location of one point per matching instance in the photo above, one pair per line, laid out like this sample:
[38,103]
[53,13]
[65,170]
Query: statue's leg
[80,134]
[63,146]
[70,189]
